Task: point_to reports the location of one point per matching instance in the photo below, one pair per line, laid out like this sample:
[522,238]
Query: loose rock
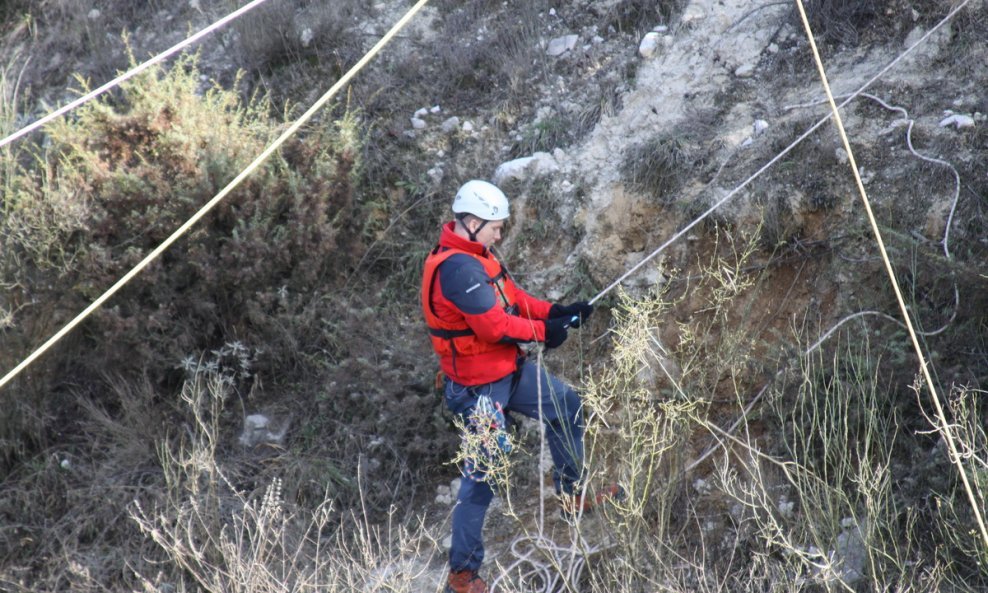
[561,45]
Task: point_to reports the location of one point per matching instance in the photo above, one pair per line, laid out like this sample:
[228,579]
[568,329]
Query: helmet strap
[472,234]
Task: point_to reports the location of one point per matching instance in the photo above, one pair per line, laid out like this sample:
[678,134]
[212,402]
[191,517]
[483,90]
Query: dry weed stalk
[811,507]
[224,540]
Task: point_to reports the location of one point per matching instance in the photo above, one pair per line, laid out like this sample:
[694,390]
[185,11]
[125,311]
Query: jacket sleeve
[530,306]
[465,284]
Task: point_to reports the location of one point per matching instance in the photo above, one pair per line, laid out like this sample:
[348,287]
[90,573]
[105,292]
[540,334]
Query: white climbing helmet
[483,200]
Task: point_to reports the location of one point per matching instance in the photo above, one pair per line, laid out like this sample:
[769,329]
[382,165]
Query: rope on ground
[779,156]
[924,365]
[570,560]
[131,73]
[909,143]
[946,249]
[219,197]
[953,204]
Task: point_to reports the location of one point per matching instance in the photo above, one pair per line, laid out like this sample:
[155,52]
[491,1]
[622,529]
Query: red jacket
[476,314]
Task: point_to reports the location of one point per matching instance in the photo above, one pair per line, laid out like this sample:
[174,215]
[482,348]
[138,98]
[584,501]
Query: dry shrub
[542,216]
[965,57]
[657,167]
[824,485]
[493,55]
[640,16]
[47,35]
[280,36]
[63,508]
[841,21]
[855,22]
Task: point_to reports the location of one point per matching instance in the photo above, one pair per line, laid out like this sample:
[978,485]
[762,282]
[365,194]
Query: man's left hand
[579,311]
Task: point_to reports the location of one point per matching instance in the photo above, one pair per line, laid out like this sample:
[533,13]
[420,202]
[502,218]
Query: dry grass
[219,538]
[640,16]
[804,494]
[657,168]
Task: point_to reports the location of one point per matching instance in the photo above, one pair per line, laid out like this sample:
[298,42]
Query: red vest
[475,349]
[463,356]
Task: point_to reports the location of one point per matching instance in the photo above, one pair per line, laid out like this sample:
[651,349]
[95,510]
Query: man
[477,316]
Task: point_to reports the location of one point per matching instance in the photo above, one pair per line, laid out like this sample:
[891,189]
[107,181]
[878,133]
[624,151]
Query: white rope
[547,546]
[851,317]
[909,144]
[541,445]
[538,556]
[526,566]
[130,73]
[525,562]
[779,156]
[219,197]
[936,161]
[950,218]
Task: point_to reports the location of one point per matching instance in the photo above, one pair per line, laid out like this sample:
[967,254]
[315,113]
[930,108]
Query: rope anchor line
[914,338]
[679,234]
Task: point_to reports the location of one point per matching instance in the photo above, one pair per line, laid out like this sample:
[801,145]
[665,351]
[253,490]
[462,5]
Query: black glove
[581,310]
[555,331]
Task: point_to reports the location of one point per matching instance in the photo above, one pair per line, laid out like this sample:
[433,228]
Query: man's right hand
[556,332]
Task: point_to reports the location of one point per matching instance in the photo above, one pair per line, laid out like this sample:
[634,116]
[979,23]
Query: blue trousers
[563,418]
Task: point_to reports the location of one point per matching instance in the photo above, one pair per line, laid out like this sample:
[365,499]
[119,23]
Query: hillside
[256,410]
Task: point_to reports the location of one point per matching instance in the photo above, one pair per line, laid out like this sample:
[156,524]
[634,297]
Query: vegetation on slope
[119,448]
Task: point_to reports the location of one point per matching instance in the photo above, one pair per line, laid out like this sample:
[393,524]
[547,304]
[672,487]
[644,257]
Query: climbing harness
[567,564]
[445,333]
[486,442]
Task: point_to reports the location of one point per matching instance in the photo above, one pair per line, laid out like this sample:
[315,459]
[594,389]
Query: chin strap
[472,234]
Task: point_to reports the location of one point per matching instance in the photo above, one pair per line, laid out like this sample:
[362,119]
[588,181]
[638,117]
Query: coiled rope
[131,73]
[219,197]
[538,558]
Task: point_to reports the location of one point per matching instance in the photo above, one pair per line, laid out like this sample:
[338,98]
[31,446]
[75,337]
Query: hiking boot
[584,503]
[465,581]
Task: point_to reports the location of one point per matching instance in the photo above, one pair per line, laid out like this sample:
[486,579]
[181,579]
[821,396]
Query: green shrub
[121,176]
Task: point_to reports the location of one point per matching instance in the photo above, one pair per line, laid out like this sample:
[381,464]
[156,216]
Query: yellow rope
[219,197]
[130,73]
[924,365]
